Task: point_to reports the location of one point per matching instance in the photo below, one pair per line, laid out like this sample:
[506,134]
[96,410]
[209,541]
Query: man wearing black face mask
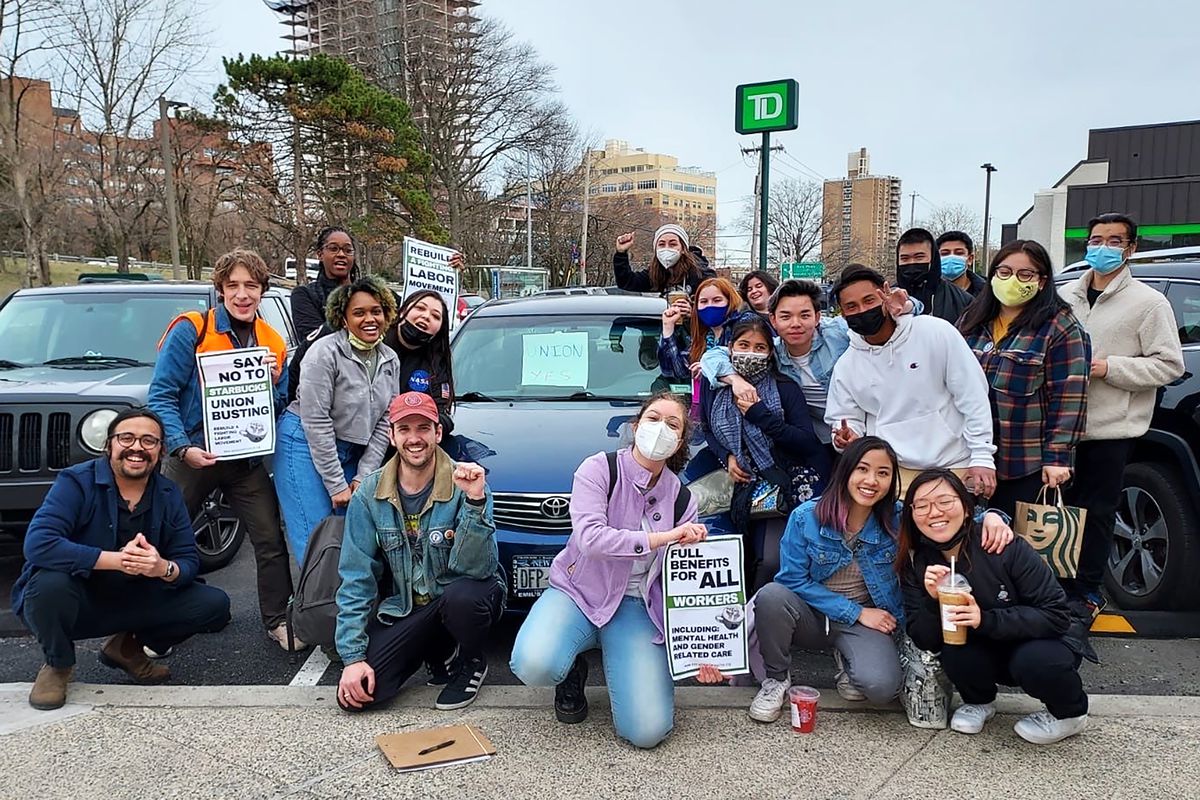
[919,271]
[912,381]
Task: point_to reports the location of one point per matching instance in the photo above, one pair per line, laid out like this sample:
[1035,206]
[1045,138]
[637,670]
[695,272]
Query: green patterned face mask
[359,344]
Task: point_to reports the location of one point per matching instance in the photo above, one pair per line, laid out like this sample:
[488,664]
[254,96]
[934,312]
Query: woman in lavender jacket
[606,585]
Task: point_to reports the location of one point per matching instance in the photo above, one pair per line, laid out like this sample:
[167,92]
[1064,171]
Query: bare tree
[795,228]
[118,57]
[955,217]
[31,164]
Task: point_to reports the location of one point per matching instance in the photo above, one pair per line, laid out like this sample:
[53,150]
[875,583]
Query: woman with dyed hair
[718,306]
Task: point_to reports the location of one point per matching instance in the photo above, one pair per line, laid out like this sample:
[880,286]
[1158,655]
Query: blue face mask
[712,316]
[953,266]
[1105,259]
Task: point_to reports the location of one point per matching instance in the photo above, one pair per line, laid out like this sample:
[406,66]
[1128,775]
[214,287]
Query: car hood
[535,446]
[42,384]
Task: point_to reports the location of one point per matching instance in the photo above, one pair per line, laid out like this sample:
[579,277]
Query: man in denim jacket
[420,570]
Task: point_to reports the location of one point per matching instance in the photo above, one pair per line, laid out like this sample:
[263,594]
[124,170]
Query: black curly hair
[339,301]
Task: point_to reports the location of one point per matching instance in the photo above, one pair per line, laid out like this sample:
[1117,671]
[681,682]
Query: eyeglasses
[1112,241]
[334,249]
[947,503]
[1025,275]
[127,439]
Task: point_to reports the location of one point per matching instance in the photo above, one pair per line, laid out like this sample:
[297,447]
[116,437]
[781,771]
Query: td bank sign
[766,107]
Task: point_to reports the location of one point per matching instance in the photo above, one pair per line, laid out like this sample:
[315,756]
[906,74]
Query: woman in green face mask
[1036,356]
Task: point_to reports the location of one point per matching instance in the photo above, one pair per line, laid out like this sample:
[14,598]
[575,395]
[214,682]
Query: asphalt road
[243,655]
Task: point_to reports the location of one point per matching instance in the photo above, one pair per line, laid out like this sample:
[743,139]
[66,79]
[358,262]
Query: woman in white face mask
[675,272]
[606,585]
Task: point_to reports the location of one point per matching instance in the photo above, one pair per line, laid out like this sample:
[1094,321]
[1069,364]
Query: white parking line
[314,667]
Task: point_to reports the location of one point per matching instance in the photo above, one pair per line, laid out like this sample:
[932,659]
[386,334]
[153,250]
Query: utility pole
[528,212]
[300,255]
[987,210]
[912,209]
[761,193]
[164,138]
[757,211]
[587,185]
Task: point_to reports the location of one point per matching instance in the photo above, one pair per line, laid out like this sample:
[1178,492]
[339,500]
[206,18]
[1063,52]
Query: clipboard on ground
[432,748]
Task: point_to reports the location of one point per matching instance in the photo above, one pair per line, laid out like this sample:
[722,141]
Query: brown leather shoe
[123,651]
[50,688]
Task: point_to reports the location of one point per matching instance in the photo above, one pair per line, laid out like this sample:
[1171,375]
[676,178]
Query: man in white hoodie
[911,381]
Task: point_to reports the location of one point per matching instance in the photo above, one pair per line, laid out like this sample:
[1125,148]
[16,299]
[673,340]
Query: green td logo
[766,107]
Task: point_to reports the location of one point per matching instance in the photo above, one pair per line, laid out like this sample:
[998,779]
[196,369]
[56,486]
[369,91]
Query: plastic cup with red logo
[803,700]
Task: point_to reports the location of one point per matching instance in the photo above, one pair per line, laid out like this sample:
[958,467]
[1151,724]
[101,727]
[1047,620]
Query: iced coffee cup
[953,590]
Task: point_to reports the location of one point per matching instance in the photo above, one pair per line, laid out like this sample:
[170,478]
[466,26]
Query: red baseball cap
[413,404]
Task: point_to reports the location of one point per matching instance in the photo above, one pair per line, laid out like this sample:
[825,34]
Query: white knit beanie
[671,227]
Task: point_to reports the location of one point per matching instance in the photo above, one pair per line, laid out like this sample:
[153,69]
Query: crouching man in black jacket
[1016,614]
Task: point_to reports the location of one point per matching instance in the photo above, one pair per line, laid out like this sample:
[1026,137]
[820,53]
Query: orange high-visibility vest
[213,341]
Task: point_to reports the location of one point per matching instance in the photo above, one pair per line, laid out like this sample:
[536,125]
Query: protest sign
[238,402]
[704,607]
[427,266]
[554,359]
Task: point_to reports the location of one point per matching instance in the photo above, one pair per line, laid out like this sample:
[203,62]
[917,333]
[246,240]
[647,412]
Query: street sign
[802,270]
[766,107]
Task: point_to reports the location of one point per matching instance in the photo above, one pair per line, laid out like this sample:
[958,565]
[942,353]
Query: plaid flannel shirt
[1039,383]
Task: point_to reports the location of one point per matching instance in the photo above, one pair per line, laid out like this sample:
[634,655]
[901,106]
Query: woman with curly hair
[335,432]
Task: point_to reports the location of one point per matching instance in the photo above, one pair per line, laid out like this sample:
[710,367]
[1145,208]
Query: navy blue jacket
[78,519]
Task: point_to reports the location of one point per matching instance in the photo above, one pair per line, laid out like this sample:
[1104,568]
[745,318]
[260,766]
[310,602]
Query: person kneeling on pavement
[421,579]
[111,552]
[1016,614]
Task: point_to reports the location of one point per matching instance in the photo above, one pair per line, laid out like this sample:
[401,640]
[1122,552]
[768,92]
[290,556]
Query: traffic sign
[766,107]
[802,270]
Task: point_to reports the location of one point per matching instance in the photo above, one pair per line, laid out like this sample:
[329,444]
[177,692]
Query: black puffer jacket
[1017,592]
[942,298]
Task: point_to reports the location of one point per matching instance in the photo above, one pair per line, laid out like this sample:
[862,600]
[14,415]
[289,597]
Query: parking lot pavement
[242,654]
[291,742]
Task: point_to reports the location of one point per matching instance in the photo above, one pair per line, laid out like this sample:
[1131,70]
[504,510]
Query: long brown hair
[663,279]
[699,329]
[679,458]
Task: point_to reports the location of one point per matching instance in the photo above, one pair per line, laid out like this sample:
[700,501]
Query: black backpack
[312,611]
[681,500]
[298,356]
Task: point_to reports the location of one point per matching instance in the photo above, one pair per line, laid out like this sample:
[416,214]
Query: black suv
[72,357]
[1155,556]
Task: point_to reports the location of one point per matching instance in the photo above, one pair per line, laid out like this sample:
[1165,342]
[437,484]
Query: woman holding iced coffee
[1011,608]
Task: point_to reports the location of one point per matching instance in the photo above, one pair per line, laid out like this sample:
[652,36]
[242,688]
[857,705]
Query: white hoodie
[922,391]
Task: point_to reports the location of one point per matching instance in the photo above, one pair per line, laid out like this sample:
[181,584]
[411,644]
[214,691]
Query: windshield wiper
[476,397]
[78,360]
[6,364]
[586,395]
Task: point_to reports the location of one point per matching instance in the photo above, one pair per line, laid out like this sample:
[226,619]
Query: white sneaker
[971,718]
[768,703]
[1042,727]
[280,635]
[150,653]
[846,689]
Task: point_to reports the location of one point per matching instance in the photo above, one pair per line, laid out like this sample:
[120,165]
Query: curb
[91,695]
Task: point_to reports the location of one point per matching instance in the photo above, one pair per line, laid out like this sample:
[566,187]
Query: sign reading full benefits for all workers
[239,402]
[704,605]
[427,266]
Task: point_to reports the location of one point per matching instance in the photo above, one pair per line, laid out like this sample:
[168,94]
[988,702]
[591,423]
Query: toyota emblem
[556,507]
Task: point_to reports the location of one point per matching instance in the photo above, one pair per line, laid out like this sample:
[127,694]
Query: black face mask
[913,276]
[868,322]
[958,537]
[414,335]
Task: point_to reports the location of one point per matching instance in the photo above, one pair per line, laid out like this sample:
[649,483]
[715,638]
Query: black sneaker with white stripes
[440,672]
[464,685]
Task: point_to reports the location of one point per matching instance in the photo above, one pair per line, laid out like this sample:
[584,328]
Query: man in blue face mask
[1135,350]
[957,253]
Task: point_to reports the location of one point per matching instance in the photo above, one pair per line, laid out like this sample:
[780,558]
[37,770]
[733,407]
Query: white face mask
[667,256]
[655,440]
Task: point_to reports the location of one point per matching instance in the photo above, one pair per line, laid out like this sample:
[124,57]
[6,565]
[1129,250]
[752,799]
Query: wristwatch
[170,571]
[181,452]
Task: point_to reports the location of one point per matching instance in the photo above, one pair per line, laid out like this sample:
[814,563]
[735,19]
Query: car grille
[548,513]
[34,441]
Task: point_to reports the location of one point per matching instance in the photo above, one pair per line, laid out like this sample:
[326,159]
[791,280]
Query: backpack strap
[681,502]
[612,473]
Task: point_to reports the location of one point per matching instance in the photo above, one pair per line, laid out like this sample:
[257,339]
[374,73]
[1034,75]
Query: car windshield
[558,357]
[77,329]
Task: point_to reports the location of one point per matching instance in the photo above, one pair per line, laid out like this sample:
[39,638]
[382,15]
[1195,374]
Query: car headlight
[713,493]
[94,430]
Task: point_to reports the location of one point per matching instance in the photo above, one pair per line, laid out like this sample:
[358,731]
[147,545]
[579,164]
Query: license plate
[530,575]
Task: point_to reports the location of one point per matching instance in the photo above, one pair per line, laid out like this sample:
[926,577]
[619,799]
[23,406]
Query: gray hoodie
[338,401]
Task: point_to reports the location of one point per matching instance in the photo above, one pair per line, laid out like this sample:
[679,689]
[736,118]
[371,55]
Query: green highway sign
[802,270]
[767,107]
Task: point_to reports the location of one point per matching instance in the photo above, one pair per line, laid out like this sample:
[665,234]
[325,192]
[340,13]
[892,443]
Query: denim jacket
[810,554]
[457,538]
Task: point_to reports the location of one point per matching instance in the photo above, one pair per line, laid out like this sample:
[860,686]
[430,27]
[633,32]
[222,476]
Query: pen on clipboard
[435,748]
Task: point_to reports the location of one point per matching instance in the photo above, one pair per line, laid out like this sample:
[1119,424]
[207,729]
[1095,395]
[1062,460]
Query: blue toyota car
[542,383]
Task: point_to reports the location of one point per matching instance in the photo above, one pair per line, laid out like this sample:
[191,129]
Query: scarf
[740,437]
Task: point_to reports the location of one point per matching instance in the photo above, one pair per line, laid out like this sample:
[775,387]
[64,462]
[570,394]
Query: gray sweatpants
[784,621]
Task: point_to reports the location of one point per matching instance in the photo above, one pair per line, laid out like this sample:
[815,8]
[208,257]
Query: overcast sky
[932,88]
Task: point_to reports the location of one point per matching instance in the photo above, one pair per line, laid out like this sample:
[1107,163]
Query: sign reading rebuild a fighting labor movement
[704,604]
[427,266]
[238,402]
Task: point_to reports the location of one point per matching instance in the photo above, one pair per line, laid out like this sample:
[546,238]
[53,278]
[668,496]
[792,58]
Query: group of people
[866,452]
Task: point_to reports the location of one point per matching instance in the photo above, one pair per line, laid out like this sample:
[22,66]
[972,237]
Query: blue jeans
[303,499]
[640,688]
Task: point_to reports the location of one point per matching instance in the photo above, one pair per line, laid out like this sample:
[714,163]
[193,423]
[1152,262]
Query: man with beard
[421,580]
[111,553]
[919,272]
